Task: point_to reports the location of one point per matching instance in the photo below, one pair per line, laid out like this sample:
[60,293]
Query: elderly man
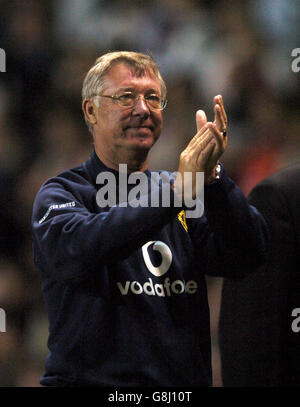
[124,285]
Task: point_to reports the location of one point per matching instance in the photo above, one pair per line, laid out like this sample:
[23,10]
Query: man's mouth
[139,127]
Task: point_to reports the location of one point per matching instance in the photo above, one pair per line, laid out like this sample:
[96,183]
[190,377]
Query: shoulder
[69,185]
[278,196]
[284,183]
[284,179]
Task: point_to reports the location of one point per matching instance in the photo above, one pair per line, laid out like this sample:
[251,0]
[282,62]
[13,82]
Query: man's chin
[141,139]
[142,144]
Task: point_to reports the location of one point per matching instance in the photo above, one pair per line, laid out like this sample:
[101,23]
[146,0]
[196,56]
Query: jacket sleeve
[236,238]
[70,241]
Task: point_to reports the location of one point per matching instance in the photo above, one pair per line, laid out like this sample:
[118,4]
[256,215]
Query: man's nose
[141,108]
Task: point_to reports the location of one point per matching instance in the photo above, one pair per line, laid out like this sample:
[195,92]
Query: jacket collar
[94,166]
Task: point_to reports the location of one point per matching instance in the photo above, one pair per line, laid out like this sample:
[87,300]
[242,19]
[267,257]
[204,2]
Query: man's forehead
[122,75]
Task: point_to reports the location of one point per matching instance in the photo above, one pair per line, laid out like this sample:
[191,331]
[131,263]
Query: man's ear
[88,108]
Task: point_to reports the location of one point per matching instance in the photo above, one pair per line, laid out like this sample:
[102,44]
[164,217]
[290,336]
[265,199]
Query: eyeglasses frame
[117,98]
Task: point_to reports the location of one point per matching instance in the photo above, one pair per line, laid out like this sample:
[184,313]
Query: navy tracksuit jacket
[125,287]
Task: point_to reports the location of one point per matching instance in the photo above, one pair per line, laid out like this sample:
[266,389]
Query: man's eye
[126,97]
[153,98]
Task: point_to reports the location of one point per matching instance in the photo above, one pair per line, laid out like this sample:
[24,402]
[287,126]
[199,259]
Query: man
[124,285]
[259,328]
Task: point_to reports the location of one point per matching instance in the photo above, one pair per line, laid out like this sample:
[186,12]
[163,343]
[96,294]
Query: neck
[135,160]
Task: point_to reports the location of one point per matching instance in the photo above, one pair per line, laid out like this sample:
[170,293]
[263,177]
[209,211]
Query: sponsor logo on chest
[165,287]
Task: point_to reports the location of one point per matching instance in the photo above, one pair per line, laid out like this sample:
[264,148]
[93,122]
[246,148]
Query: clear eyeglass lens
[130,99]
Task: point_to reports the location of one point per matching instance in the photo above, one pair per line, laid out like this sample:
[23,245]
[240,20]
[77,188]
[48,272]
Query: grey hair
[94,81]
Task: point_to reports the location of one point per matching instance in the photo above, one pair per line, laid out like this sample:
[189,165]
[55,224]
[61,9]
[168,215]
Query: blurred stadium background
[240,49]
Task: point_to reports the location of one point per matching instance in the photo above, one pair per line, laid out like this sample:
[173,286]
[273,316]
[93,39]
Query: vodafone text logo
[160,289]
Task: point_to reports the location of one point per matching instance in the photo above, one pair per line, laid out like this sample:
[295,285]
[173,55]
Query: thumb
[201,119]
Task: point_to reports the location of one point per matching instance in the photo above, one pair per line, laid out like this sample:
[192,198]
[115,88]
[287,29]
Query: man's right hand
[206,147]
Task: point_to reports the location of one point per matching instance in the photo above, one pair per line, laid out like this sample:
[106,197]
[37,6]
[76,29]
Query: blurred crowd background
[240,49]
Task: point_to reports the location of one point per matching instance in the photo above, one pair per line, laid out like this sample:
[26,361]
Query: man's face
[121,128]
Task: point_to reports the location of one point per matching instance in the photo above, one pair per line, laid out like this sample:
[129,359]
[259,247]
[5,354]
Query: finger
[201,119]
[219,100]
[193,152]
[205,154]
[209,150]
[203,143]
[219,121]
[201,133]
[220,139]
[201,136]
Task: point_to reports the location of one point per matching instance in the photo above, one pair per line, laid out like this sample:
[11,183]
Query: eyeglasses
[130,99]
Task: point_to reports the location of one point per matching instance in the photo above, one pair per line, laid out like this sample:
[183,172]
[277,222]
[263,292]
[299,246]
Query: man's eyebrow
[132,89]
[126,89]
